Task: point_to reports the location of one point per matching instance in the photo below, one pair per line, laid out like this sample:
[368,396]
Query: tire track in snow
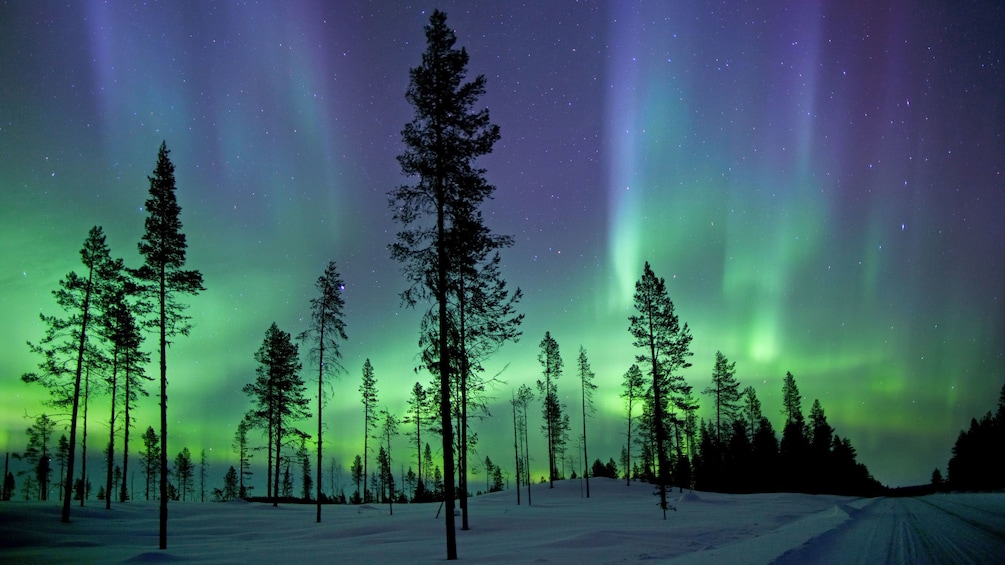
[907,530]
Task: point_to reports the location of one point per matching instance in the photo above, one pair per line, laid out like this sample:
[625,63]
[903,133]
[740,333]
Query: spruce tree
[150,457]
[183,471]
[794,447]
[368,396]
[418,408]
[751,411]
[278,394]
[524,397]
[128,341]
[163,249]
[244,456]
[230,488]
[442,142]
[36,454]
[389,430]
[586,376]
[633,387]
[326,334]
[656,330]
[551,367]
[725,393]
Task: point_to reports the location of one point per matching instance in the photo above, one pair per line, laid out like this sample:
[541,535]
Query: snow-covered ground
[616,524]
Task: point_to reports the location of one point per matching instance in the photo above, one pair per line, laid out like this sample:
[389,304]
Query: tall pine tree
[551,367]
[325,334]
[368,396]
[442,142]
[163,249]
[586,376]
[665,343]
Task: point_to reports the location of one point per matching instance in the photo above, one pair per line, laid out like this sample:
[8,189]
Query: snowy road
[932,529]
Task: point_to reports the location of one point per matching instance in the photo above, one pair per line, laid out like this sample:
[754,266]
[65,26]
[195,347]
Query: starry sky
[820,183]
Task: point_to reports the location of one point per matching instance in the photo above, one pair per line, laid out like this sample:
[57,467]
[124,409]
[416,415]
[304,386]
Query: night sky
[820,183]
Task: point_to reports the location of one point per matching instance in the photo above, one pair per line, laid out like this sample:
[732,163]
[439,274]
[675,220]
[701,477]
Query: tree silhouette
[243,455]
[150,457]
[121,331]
[418,408]
[666,346]
[277,394]
[551,367]
[163,249]
[441,143]
[127,340]
[632,389]
[368,396]
[586,381]
[725,393]
[819,456]
[183,470]
[37,452]
[389,430]
[230,488]
[357,477]
[66,342]
[524,397]
[794,447]
[751,411]
[62,452]
[326,332]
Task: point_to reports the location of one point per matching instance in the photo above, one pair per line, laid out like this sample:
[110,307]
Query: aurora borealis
[821,184]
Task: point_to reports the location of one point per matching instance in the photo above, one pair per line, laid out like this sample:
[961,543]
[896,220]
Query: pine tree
[277,394]
[306,481]
[666,347]
[163,249]
[128,340]
[62,453]
[287,483]
[389,430]
[368,396]
[230,488]
[66,342]
[794,447]
[37,452]
[586,381]
[524,397]
[442,142]
[203,466]
[418,408]
[150,458]
[326,334]
[517,459]
[183,471]
[551,366]
[751,410]
[357,477]
[632,389]
[821,435]
[243,456]
[725,393]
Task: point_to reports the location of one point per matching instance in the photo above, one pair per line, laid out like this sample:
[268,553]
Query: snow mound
[689,497]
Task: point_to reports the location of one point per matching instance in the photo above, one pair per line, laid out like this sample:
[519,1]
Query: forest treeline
[976,462]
